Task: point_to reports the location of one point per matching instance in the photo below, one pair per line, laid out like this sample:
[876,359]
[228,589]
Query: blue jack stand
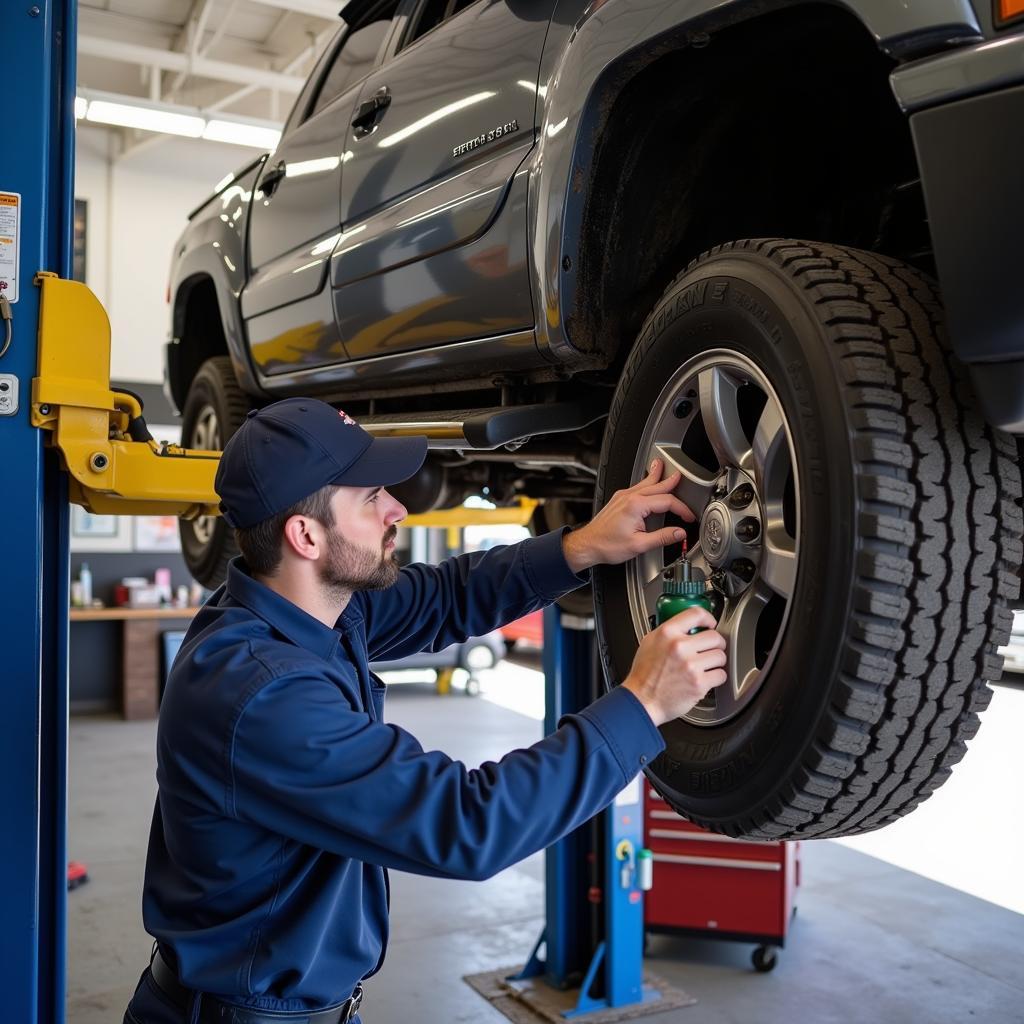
[594,906]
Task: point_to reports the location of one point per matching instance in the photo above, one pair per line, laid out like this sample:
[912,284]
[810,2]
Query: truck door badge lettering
[492,136]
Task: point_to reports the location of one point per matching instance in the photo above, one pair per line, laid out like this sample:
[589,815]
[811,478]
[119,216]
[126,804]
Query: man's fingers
[661,538]
[663,485]
[663,503]
[712,660]
[709,640]
[653,474]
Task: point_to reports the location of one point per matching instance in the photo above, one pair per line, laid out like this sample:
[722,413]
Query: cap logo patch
[347,419]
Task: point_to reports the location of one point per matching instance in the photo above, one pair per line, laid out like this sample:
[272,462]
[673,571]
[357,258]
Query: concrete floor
[872,942]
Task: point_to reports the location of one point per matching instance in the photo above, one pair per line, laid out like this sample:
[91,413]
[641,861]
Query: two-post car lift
[66,436]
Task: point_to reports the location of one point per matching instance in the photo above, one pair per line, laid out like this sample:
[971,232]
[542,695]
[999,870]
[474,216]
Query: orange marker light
[1008,9]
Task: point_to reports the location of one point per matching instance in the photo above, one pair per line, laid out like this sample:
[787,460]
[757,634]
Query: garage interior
[919,921]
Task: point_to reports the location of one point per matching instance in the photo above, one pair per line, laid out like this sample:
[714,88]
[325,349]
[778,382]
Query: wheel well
[781,126]
[198,333]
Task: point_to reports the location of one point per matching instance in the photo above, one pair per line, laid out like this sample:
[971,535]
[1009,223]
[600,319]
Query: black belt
[213,1011]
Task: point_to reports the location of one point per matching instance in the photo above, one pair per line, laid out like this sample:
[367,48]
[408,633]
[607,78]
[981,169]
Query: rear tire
[907,550]
[214,409]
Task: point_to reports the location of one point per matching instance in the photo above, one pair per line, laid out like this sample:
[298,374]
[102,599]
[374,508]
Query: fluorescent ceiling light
[145,118]
[125,112]
[241,134]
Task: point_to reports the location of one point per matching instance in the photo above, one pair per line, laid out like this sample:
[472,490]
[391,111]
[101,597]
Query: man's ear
[304,537]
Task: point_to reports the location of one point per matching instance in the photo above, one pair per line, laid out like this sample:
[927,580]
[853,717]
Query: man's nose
[396,510]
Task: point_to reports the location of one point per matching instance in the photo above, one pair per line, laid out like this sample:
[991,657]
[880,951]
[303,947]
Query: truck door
[295,216]
[433,209]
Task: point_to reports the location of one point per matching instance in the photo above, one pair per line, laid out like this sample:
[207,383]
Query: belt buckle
[354,1002]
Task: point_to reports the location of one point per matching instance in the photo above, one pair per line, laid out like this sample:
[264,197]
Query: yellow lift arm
[116,467]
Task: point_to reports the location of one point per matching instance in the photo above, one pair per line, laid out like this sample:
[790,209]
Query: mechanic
[283,795]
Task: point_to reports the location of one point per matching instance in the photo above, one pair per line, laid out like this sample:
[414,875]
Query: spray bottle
[685,589]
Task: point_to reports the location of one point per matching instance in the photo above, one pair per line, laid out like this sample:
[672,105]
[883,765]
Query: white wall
[138,205]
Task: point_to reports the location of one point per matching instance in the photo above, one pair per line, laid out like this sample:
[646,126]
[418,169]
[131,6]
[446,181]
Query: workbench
[140,651]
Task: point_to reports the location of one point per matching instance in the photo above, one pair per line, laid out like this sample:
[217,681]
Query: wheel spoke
[778,560]
[206,434]
[696,482]
[653,589]
[739,627]
[695,556]
[718,394]
[769,444]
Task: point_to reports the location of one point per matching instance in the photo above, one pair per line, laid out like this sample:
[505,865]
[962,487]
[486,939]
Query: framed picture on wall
[156,533]
[99,533]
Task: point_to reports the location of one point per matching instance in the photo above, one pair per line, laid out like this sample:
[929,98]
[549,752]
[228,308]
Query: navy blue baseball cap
[287,451]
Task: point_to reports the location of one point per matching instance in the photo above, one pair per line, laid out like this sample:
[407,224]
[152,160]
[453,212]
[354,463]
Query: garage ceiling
[223,58]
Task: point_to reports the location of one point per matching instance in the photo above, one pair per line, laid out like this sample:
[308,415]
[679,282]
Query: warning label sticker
[10,243]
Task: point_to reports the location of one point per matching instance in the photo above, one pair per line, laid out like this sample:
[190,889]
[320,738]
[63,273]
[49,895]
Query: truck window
[431,13]
[355,57]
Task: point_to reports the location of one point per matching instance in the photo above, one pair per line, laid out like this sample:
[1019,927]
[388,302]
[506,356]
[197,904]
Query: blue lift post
[36,178]
[594,908]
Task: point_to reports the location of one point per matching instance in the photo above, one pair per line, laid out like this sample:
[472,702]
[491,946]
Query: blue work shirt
[284,796]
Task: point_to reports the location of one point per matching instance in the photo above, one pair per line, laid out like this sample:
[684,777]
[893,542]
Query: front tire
[868,576]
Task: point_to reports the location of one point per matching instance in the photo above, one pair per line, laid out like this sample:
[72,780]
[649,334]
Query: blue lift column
[594,909]
[36,207]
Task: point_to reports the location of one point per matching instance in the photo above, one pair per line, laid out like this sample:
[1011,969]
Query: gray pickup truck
[563,237]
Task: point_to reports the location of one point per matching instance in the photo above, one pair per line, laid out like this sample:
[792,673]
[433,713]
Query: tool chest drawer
[711,883]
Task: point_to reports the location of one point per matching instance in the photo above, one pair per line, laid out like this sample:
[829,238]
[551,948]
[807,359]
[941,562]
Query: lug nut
[748,528]
[743,568]
[742,496]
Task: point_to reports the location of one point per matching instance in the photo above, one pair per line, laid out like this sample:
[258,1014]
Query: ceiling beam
[317,8]
[132,53]
[309,55]
[189,40]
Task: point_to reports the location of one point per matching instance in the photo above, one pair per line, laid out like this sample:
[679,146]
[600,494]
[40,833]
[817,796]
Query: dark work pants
[150,1005]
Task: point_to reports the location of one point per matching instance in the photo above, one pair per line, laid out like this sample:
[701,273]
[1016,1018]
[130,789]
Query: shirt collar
[289,619]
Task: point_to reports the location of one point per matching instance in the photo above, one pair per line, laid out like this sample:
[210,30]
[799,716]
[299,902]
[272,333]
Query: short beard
[349,567]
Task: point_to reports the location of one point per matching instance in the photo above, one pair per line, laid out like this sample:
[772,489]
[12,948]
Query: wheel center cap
[715,530]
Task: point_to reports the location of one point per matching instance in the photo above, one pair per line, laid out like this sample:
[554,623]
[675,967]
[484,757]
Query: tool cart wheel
[764,958]
[214,410]
[857,515]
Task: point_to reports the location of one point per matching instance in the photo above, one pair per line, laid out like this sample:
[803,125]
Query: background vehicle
[473,656]
[561,239]
[529,629]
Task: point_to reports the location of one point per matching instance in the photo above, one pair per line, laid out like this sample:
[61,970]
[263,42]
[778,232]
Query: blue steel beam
[37,163]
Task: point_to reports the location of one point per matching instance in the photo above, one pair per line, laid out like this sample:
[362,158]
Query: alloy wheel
[719,422]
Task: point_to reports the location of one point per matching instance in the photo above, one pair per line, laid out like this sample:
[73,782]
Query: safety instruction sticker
[10,243]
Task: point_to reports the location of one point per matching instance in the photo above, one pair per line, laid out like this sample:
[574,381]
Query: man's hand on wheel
[619,531]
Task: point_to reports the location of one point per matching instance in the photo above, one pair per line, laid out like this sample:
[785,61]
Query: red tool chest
[710,885]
